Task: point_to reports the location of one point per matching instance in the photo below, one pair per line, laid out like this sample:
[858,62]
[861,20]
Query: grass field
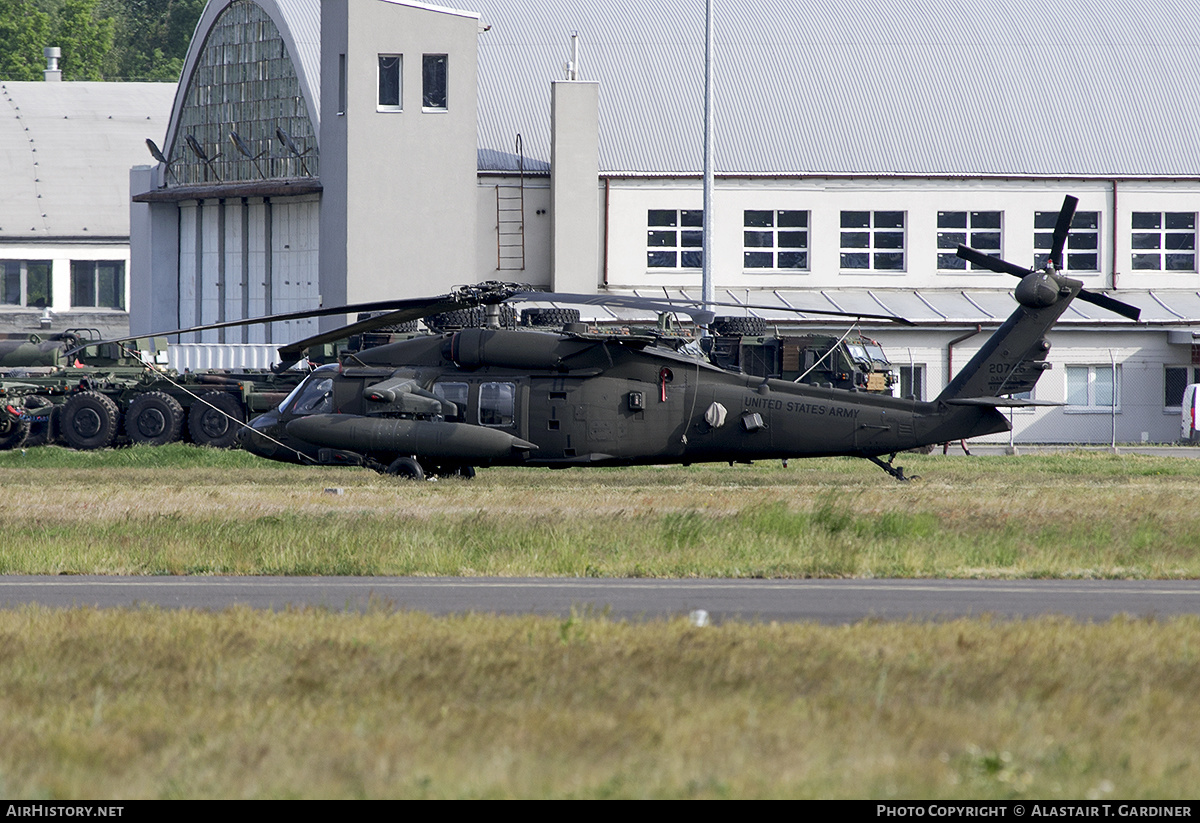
[129,704]
[181,510]
[145,703]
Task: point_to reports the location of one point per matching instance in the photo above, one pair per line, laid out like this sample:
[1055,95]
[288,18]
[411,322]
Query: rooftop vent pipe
[52,54]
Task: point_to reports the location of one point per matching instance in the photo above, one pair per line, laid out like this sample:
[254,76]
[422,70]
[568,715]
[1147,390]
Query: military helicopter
[442,404]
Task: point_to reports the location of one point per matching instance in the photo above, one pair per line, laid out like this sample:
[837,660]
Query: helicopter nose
[262,435]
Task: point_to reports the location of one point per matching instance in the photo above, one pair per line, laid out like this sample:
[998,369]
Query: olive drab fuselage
[582,399]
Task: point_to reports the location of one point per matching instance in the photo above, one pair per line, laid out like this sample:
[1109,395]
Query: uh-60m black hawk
[446,403]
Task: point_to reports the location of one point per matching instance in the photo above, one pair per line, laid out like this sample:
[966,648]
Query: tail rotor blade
[1065,216]
[991,263]
[1113,305]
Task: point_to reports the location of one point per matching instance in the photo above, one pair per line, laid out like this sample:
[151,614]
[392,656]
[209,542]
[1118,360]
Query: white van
[1189,418]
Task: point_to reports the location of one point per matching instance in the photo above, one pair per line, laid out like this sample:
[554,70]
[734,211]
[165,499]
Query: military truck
[103,395]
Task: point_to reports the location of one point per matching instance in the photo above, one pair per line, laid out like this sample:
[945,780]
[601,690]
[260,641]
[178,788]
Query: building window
[433,82]
[26,283]
[1164,241]
[1175,379]
[873,240]
[775,239]
[978,229]
[98,283]
[912,382]
[675,238]
[389,82]
[497,404]
[1093,388]
[1083,242]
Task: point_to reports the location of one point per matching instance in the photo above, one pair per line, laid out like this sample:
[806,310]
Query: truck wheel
[549,318]
[214,419]
[406,468]
[12,431]
[154,418]
[89,421]
[739,326]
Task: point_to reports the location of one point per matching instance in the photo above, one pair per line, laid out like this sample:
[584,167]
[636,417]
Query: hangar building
[341,151]
[65,153]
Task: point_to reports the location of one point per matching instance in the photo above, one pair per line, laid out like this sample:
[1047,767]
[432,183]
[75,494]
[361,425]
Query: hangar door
[245,257]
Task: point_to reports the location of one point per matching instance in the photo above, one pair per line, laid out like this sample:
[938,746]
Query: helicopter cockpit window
[455,393]
[313,396]
[497,404]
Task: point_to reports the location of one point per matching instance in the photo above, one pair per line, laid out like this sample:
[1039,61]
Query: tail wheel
[407,468]
[154,418]
[89,421]
[214,419]
[12,431]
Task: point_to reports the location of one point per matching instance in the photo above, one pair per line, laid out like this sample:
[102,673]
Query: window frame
[1191,374]
[686,246]
[1092,405]
[1162,233]
[1043,236]
[20,268]
[380,105]
[970,234]
[873,250]
[426,82]
[773,233]
[79,271]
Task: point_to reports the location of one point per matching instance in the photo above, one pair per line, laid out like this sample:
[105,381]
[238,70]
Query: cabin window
[1093,388]
[1083,243]
[98,283]
[26,283]
[978,229]
[872,240]
[433,82]
[775,239]
[390,73]
[316,397]
[497,404]
[455,393]
[675,238]
[1164,241]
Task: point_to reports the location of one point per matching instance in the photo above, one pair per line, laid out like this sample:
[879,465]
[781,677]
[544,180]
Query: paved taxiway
[825,601]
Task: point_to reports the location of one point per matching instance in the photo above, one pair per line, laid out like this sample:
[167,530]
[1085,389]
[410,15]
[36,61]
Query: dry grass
[183,510]
[132,704]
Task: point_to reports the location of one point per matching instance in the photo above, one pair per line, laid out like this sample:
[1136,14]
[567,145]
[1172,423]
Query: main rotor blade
[1065,216]
[824,312]
[688,307]
[991,263]
[1112,304]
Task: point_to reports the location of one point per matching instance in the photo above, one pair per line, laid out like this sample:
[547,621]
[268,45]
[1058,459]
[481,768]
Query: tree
[85,39]
[24,32]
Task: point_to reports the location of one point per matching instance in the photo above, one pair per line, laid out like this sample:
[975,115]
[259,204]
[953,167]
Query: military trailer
[744,344]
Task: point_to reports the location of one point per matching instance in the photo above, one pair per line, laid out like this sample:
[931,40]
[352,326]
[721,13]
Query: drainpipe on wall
[950,369]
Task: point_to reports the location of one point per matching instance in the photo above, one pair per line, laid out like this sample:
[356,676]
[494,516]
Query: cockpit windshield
[314,395]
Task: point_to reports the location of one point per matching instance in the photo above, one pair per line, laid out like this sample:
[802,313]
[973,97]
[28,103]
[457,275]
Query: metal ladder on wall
[510,220]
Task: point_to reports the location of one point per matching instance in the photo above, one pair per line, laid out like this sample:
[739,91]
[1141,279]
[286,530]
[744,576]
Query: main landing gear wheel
[89,421]
[406,468]
[214,420]
[154,418]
